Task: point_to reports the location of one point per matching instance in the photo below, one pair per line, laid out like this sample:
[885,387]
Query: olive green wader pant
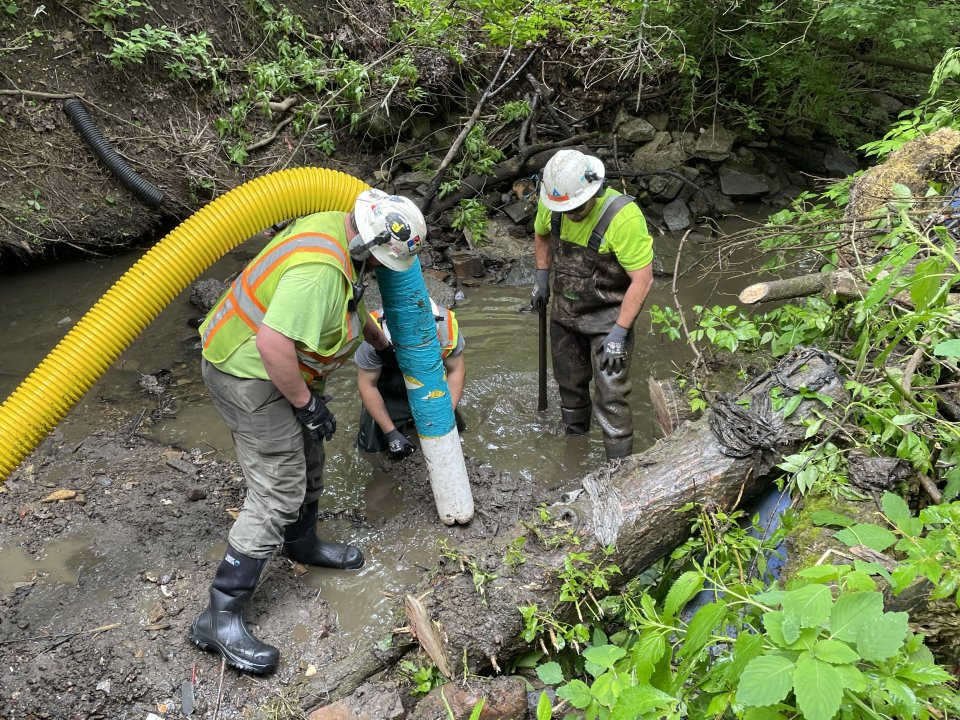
[282,464]
[576,361]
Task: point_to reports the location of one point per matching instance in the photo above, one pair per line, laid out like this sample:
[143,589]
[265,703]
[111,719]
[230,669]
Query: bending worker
[596,241]
[386,409]
[290,318]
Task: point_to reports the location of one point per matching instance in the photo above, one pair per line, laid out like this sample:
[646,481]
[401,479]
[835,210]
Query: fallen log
[719,461]
[529,161]
[840,283]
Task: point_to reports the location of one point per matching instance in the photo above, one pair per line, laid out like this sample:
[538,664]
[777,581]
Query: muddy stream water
[504,429]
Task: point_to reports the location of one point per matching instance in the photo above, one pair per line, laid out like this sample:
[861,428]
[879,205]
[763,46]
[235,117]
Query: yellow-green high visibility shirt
[627,236]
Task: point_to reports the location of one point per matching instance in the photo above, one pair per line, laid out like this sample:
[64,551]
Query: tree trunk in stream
[720,461]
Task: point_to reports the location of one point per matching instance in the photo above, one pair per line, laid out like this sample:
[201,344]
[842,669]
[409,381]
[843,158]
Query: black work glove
[398,444]
[317,418]
[614,350]
[388,356]
[541,291]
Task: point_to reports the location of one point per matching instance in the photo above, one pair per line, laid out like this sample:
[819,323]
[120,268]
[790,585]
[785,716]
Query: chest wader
[588,290]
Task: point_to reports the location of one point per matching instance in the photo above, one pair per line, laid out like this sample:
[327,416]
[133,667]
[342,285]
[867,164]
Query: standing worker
[290,318]
[386,407]
[596,241]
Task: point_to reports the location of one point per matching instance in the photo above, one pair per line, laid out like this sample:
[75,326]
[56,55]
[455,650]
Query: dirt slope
[56,197]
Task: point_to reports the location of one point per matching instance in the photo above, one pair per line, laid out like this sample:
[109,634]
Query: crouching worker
[385,418]
[293,315]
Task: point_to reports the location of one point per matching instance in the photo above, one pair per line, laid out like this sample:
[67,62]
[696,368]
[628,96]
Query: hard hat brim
[388,258]
[581,198]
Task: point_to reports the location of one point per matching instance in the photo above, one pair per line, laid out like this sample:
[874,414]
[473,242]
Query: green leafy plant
[549,531]
[724,327]
[324,143]
[514,110]
[470,215]
[580,576]
[928,545]
[501,22]
[822,654]
[939,109]
[712,641]
[105,13]
[514,556]
[187,57]
[477,155]
[424,677]
[33,202]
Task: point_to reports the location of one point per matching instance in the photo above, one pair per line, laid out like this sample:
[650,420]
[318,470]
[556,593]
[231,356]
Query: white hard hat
[391,227]
[570,178]
[434,308]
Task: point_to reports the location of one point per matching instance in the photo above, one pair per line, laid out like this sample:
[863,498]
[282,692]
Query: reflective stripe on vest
[448,329]
[241,300]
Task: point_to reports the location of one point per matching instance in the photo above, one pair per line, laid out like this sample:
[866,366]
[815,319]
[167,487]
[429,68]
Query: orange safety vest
[240,311]
[448,329]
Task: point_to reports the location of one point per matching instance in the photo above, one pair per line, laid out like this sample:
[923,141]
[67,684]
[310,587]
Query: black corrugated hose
[144,191]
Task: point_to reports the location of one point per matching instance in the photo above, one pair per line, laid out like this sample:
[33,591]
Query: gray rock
[720,203]
[205,293]
[665,187]
[502,245]
[658,154]
[522,271]
[636,130]
[659,120]
[889,105]
[520,211]
[839,163]
[412,181]
[676,215]
[738,180]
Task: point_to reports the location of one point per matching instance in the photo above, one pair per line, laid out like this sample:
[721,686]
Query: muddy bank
[127,533]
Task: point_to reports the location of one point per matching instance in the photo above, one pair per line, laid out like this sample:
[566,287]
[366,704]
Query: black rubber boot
[618,447]
[300,543]
[221,628]
[577,420]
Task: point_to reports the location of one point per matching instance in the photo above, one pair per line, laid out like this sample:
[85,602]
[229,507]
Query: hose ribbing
[143,190]
[135,300]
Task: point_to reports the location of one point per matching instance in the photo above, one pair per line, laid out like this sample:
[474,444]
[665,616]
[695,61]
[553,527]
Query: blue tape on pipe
[413,330]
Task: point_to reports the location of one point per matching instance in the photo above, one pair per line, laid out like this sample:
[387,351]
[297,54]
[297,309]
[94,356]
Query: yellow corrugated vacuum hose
[114,322]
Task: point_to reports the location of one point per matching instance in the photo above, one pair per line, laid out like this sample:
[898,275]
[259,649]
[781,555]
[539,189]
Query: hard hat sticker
[398,227]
